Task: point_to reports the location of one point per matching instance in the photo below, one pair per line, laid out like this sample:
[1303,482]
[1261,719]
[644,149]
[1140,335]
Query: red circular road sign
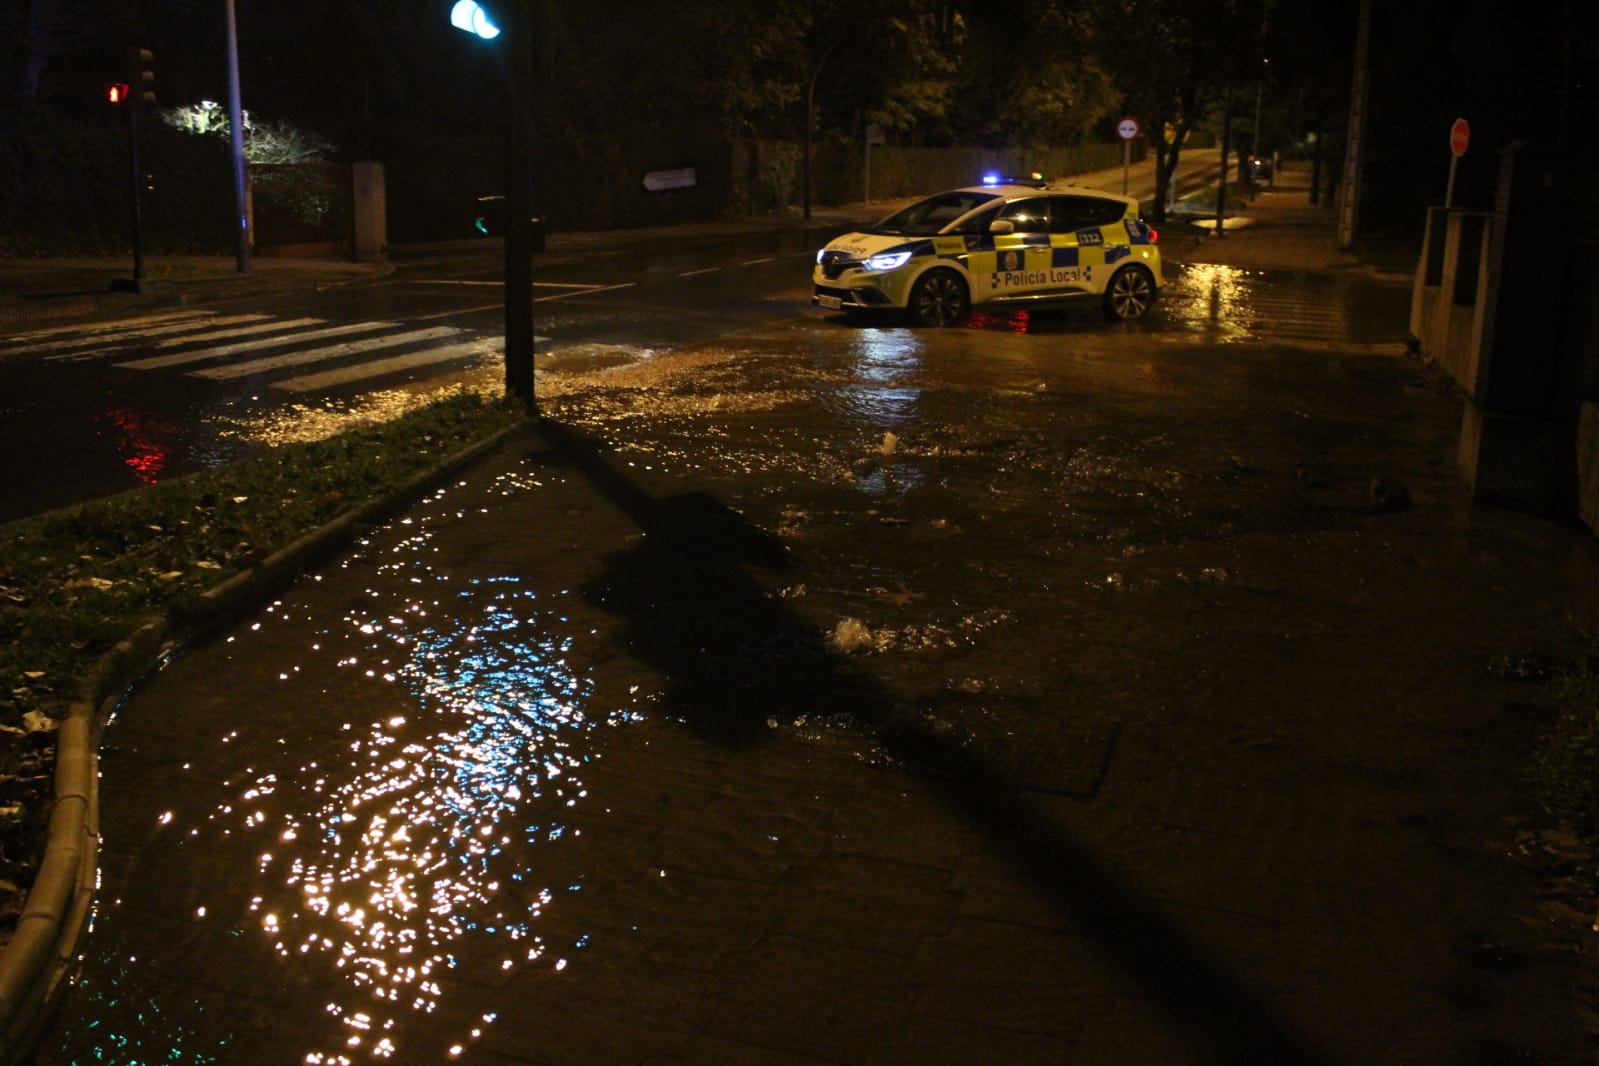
[1127,128]
[1459,136]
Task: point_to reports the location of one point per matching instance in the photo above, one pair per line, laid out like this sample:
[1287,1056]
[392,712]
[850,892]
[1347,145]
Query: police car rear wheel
[1129,294]
[939,298]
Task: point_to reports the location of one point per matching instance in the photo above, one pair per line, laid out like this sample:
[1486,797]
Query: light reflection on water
[883,364]
[1215,299]
[421,840]
[296,423]
[413,840]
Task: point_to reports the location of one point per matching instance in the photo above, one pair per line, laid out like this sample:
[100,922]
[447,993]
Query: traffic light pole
[134,111]
[518,46]
[510,23]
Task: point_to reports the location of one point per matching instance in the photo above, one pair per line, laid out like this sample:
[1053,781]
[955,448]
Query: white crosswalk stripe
[330,378]
[100,340]
[158,361]
[116,325]
[213,347]
[322,355]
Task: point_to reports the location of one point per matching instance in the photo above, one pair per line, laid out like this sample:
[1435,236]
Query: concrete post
[371,209]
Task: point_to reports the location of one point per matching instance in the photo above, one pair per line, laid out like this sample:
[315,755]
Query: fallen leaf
[90,583]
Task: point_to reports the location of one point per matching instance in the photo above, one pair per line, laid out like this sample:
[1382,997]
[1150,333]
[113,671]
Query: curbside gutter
[39,959]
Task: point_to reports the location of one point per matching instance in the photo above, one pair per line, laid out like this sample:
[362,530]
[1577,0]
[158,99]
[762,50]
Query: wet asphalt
[1062,694]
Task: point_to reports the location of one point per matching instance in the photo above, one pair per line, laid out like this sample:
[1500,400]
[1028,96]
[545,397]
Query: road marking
[585,292]
[70,348]
[757,262]
[697,273]
[156,362]
[455,313]
[329,378]
[222,334]
[321,355]
[108,326]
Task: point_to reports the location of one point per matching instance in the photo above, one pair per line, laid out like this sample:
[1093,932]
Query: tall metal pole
[518,45]
[236,127]
[135,112]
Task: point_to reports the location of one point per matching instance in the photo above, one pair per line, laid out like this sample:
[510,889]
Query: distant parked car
[1008,242]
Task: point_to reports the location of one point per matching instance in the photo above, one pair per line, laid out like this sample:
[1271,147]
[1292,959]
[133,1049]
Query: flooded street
[1036,692]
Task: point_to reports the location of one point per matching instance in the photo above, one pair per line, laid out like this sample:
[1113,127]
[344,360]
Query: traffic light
[140,90]
[474,18]
[116,93]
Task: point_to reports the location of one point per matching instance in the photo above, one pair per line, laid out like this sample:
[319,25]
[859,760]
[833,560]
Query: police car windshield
[926,217]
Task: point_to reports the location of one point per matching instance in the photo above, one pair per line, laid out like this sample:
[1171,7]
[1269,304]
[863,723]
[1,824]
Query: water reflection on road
[393,843]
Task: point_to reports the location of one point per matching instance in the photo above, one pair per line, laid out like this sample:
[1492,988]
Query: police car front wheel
[939,298]
[1129,294]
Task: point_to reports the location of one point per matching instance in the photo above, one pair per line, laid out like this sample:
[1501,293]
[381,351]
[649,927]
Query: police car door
[1077,243]
[1022,256]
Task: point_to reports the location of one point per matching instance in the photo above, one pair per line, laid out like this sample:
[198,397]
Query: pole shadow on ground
[738,656]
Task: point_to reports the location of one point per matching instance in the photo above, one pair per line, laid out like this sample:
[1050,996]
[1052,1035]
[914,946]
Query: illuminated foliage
[264,142]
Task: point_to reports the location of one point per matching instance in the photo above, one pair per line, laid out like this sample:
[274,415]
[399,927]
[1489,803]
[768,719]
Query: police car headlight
[891,261]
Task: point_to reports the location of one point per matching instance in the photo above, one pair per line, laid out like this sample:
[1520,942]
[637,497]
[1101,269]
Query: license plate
[832,303]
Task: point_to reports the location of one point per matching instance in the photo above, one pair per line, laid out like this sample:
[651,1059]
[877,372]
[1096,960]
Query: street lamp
[241,203]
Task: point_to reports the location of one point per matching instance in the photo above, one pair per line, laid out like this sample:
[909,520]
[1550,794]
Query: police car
[1006,243]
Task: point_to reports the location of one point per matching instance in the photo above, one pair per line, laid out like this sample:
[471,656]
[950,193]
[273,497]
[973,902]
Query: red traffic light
[116,93]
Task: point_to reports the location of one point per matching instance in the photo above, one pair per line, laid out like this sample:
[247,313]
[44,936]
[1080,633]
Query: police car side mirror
[1002,225]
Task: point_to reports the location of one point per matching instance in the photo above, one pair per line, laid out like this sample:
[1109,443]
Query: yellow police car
[1009,242]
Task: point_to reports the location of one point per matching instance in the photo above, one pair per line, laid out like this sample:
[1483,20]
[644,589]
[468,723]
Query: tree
[1175,61]
[1030,75]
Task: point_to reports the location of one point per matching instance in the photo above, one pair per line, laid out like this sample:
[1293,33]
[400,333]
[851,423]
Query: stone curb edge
[36,961]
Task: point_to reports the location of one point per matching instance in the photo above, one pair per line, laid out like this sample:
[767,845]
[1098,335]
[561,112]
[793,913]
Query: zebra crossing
[293,354]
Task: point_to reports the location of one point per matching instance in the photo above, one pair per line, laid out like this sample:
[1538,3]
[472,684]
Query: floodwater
[1040,694]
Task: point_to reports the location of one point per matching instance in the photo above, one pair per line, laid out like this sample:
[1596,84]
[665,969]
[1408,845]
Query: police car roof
[1015,189]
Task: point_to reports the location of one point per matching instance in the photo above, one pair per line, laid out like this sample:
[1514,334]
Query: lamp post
[236,128]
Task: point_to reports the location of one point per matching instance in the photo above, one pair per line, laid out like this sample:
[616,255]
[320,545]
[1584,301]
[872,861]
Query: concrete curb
[39,958]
